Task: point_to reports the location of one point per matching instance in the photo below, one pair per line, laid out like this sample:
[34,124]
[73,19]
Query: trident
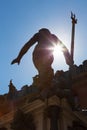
[74,21]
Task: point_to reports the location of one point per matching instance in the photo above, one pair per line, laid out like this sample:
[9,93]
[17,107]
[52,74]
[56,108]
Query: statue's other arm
[64,49]
[66,54]
[25,48]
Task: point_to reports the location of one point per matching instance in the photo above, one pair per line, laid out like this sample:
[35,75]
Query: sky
[21,19]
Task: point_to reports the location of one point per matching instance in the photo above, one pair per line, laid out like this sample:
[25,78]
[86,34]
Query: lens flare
[56,50]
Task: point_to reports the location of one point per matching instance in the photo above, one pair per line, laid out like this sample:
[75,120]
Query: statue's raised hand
[17,60]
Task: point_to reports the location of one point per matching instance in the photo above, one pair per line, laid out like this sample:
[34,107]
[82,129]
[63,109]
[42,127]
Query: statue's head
[44,31]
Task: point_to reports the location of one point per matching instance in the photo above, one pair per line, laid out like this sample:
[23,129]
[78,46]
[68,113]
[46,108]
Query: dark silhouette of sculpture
[43,53]
[12,94]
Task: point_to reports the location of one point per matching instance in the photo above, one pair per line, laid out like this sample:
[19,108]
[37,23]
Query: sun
[57,49]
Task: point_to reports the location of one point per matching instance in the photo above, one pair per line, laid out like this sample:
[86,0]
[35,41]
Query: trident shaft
[74,21]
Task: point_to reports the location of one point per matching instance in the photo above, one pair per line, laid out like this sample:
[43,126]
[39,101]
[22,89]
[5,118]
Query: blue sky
[21,19]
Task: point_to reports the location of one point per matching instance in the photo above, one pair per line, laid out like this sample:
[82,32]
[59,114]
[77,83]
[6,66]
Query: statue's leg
[48,76]
[43,65]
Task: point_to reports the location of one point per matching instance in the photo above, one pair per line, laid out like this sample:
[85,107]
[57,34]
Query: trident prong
[73,17]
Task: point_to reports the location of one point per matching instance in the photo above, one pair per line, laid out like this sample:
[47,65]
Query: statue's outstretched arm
[25,48]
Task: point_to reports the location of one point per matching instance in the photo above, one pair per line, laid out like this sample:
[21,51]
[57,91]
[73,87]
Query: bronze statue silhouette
[43,53]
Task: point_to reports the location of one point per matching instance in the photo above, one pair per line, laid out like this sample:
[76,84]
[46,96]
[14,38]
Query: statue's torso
[44,44]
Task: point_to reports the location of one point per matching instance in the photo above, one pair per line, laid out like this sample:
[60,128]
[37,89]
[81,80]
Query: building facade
[61,107]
